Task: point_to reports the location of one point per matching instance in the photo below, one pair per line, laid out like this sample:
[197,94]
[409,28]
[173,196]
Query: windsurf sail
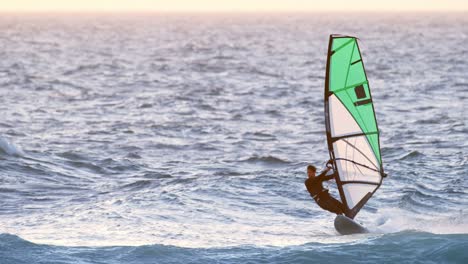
[351,125]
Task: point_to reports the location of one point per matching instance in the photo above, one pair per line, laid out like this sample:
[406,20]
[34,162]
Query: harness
[317,196]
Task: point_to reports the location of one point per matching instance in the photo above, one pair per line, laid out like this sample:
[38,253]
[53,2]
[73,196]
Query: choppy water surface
[184,138]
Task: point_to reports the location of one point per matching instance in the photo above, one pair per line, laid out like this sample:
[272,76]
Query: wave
[8,148]
[402,247]
[266,159]
[72,155]
[259,136]
[137,185]
[413,155]
[89,68]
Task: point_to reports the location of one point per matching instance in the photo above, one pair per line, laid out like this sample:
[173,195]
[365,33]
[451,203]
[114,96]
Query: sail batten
[352,132]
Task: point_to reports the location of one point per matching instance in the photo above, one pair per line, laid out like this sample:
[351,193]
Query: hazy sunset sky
[230,5]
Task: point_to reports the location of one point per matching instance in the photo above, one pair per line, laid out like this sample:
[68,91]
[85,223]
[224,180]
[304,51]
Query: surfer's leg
[331,204]
[336,205]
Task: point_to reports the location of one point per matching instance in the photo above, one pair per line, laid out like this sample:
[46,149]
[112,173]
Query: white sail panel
[358,150]
[349,171]
[355,163]
[355,192]
[342,122]
[361,146]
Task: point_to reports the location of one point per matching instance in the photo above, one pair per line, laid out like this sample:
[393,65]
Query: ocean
[184,138]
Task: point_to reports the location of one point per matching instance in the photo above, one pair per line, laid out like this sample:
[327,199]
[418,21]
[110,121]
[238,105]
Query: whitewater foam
[9,148]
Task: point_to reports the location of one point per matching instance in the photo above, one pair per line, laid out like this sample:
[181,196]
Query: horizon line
[224,11]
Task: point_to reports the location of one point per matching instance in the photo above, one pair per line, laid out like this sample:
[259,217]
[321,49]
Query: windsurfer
[319,193]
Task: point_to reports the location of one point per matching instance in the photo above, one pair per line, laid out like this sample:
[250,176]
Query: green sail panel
[352,132]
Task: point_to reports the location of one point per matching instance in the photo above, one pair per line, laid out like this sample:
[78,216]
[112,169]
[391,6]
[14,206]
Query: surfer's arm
[324,177]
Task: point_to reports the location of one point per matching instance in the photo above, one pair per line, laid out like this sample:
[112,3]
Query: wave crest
[9,148]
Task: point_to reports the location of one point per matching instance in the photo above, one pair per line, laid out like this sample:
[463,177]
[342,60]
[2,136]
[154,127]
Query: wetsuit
[321,195]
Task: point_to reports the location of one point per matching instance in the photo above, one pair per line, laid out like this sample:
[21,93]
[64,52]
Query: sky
[230,5]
